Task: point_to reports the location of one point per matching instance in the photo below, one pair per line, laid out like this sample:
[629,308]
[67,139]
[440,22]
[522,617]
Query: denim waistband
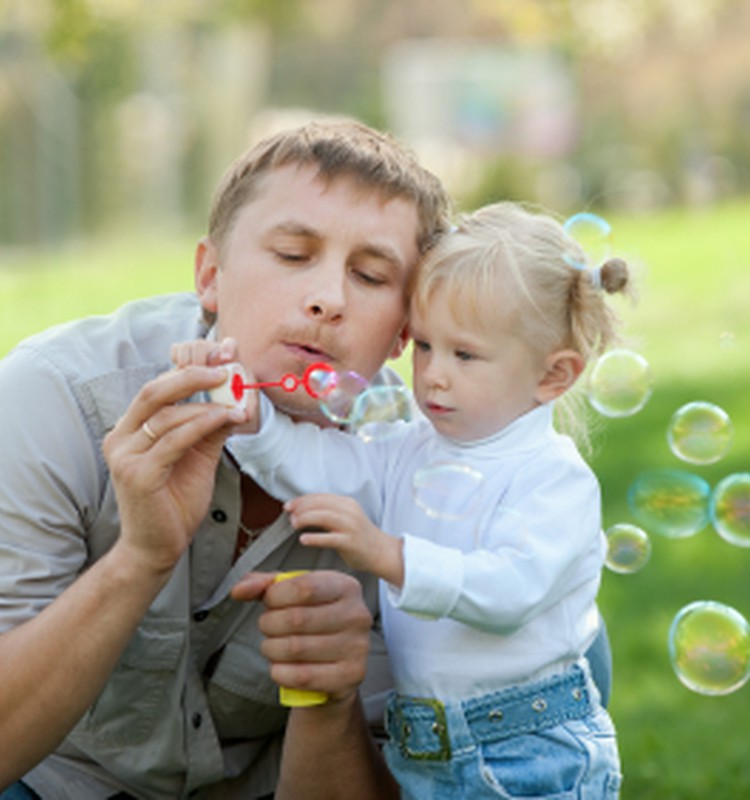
[427,729]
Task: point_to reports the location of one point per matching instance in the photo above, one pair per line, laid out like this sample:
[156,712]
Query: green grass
[693,326]
[38,290]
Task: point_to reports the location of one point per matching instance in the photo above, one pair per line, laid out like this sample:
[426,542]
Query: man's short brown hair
[337,146]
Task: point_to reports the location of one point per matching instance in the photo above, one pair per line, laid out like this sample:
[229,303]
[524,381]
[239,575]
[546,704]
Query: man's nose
[326,295]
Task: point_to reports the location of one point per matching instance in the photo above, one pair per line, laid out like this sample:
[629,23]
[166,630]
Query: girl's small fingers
[227,350]
[330,540]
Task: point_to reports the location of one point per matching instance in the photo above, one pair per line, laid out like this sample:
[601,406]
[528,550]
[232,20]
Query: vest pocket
[137,694]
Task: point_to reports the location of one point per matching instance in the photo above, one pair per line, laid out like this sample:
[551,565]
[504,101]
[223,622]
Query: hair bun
[613,275]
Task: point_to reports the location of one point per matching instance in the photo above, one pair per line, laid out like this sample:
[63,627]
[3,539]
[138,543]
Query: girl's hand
[348,531]
[203,353]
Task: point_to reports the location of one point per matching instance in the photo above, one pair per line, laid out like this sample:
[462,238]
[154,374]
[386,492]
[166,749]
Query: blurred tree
[76,76]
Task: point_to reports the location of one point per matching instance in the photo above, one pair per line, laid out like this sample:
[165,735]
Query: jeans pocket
[548,764]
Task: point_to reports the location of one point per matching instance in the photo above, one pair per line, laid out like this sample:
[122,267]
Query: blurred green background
[118,116]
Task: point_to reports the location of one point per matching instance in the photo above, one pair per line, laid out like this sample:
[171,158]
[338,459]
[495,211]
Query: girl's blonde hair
[510,266]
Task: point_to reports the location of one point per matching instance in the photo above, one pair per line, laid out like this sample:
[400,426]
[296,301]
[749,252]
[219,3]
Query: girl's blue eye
[463,355]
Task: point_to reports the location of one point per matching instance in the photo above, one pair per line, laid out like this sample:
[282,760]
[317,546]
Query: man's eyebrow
[295,229]
[384,252]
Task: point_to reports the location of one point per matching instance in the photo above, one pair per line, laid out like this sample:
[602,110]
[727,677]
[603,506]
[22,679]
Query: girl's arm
[540,544]
[289,459]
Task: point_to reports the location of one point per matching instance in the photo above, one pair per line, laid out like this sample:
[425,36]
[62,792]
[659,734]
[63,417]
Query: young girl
[487,615]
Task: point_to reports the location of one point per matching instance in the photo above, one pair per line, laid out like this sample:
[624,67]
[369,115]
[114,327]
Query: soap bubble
[730,509]
[377,410]
[338,393]
[670,502]
[319,379]
[620,383]
[447,490]
[709,647]
[593,234]
[700,433]
[628,548]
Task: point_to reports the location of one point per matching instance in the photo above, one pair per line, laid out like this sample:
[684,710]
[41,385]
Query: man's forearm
[329,755]
[53,667]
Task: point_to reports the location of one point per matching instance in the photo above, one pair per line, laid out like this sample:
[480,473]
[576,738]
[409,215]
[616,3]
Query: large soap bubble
[338,392]
[620,383]
[672,503]
[730,509]
[700,433]
[378,410]
[628,548]
[447,490]
[709,647]
[593,234]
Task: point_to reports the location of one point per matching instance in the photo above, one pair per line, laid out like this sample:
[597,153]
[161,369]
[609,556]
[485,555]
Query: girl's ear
[401,342]
[562,370]
[205,273]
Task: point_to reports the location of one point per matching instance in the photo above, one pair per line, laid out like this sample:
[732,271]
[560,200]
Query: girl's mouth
[436,408]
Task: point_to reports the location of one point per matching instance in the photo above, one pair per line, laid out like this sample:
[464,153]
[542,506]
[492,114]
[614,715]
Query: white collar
[527,432]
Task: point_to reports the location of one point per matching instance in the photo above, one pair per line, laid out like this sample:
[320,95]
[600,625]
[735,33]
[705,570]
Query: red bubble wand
[289,382]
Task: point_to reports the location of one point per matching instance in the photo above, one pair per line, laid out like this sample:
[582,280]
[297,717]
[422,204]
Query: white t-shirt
[499,588]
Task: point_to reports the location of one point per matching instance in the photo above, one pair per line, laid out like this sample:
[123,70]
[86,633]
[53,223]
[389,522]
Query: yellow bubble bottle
[297,698]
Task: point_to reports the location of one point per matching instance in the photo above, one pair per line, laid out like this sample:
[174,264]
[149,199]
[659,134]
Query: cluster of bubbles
[708,642]
[371,411]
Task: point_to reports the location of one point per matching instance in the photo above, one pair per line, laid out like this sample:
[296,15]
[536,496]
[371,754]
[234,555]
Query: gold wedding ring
[146,428]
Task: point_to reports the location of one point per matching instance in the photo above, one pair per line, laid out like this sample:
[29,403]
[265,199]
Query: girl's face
[470,381]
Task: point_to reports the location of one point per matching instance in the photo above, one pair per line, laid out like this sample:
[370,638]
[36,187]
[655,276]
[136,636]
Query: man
[127,669]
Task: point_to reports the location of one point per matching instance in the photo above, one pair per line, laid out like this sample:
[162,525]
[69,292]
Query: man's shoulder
[139,332]
[100,361]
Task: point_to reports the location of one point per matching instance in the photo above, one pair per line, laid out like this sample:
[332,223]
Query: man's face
[311,272]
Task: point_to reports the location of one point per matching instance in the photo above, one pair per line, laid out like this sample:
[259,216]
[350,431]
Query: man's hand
[203,353]
[317,630]
[163,455]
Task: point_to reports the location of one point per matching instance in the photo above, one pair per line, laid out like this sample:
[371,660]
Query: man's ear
[401,342]
[561,370]
[205,274]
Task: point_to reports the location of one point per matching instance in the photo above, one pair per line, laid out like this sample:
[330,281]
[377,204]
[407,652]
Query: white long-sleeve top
[505,593]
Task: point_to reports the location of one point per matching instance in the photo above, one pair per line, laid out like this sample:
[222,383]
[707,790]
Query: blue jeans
[19,791]
[548,739]
[599,656]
